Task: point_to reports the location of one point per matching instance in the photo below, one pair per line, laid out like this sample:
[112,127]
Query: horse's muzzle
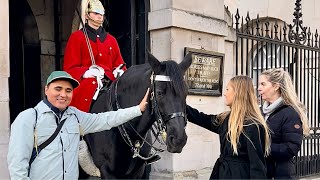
[176,134]
[175,145]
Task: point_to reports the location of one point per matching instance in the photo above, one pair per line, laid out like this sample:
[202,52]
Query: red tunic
[77,61]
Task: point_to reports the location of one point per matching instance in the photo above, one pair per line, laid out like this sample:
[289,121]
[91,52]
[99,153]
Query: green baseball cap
[62,75]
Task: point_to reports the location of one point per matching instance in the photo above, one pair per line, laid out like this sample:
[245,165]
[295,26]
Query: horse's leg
[139,172]
[82,174]
[104,172]
[146,172]
[100,105]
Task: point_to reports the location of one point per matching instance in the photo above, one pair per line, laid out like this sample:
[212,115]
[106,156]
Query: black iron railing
[264,43]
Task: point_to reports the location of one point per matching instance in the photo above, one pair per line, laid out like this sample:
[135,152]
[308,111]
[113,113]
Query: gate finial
[237,16]
[294,35]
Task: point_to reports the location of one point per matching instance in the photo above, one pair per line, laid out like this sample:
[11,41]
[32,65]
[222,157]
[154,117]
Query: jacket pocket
[43,135]
[73,133]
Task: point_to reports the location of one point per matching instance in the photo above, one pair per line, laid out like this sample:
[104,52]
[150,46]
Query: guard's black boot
[154,159]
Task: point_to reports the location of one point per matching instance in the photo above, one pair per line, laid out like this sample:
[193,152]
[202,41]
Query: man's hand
[143,104]
[118,71]
[92,73]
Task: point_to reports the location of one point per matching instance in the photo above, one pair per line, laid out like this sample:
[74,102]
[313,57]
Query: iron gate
[265,43]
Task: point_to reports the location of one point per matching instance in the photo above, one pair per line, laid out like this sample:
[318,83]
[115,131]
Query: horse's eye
[159,93]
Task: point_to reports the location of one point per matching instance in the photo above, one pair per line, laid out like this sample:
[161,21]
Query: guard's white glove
[92,73]
[118,71]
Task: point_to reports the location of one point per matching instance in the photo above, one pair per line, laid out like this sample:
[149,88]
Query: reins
[135,147]
[159,124]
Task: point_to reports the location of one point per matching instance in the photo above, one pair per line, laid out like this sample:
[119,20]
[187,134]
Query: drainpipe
[56,18]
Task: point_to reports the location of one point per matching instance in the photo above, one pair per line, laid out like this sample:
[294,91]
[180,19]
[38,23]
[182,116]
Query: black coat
[286,137]
[250,161]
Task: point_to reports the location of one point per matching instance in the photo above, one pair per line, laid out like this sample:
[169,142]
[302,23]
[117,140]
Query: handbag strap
[80,128]
[36,149]
[53,136]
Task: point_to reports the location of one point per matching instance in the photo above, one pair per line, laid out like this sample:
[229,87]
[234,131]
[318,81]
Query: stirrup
[152,160]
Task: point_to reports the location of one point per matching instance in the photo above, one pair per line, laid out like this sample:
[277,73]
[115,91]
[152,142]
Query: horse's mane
[176,75]
[169,68]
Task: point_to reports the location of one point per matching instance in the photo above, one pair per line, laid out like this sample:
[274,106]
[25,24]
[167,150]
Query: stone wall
[4,88]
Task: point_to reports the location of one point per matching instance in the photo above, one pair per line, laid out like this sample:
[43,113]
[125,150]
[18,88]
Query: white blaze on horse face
[59,93]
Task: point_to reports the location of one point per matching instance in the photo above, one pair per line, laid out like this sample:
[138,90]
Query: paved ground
[203,174]
[311,177]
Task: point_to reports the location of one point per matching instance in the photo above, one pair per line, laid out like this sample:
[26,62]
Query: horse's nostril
[173,145]
[171,139]
[177,142]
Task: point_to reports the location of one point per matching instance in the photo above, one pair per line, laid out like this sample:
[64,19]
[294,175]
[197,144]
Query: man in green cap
[54,123]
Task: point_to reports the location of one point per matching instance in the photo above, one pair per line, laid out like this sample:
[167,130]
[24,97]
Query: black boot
[154,159]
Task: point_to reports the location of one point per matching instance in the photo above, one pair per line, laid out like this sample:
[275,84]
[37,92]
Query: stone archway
[25,73]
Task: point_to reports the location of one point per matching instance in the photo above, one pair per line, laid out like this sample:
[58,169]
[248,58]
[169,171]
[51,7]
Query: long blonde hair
[288,93]
[244,106]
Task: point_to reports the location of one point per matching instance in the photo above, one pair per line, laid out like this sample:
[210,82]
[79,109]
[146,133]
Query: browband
[162,78]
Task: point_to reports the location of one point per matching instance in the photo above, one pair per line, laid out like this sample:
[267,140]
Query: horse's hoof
[153,159]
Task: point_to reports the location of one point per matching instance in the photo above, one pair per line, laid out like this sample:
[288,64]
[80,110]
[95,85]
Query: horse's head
[168,98]
[167,107]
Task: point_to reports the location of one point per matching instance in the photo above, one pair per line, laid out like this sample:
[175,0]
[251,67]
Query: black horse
[112,151]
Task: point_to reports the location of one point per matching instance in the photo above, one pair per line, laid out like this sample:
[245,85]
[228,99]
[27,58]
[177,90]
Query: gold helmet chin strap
[94,22]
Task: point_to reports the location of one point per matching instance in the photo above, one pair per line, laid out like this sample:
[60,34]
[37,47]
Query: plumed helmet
[95,6]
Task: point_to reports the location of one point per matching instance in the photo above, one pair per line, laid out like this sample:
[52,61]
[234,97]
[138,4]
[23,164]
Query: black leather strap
[53,136]
[35,151]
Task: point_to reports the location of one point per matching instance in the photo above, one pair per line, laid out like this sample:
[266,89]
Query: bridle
[161,120]
[160,123]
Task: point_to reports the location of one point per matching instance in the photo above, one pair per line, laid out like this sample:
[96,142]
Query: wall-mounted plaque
[204,76]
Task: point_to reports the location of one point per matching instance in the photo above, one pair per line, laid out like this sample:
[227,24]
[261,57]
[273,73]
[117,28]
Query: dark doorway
[25,74]
[127,22]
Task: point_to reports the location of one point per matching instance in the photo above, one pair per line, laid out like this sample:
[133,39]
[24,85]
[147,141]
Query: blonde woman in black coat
[287,120]
[244,135]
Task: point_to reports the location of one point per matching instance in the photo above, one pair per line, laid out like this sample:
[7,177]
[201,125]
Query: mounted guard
[92,56]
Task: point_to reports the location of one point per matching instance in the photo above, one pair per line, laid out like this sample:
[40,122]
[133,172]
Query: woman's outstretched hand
[144,102]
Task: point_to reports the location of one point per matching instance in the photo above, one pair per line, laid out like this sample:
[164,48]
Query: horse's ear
[186,62]
[154,63]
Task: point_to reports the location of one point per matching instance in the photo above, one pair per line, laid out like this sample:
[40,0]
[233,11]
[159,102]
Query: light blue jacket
[59,160]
